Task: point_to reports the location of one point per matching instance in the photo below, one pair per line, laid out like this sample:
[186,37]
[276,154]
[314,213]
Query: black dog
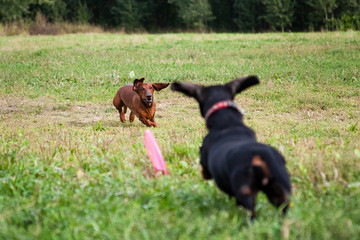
[230,153]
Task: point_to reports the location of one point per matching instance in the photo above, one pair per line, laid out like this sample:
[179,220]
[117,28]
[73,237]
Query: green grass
[70,170]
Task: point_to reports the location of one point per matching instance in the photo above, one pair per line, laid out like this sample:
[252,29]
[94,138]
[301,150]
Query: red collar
[218,106]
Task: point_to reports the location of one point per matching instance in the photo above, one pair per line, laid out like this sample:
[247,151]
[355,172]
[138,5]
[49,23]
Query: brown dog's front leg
[122,116]
[153,123]
[146,122]
[118,103]
[132,116]
[152,120]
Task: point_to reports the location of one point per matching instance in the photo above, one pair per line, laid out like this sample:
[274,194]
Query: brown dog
[139,97]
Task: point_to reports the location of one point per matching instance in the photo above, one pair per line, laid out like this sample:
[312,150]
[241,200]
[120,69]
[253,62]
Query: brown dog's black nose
[148,96]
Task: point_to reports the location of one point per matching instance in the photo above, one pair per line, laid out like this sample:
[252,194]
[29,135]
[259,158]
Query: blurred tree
[300,20]
[131,14]
[101,12]
[348,14]
[248,15]
[12,10]
[223,15]
[322,11]
[83,13]
[163,16]
[195,14]
[53,10]
[279,13]
[217,15]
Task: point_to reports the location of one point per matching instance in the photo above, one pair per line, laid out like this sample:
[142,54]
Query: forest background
[158,16]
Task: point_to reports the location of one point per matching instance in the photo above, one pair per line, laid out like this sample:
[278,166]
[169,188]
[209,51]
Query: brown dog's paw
[122,117]
[132,117]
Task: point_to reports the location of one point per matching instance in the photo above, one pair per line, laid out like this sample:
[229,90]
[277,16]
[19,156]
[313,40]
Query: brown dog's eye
[150,87]
[142,89]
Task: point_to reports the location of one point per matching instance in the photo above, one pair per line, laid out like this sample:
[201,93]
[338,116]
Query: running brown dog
[139,97]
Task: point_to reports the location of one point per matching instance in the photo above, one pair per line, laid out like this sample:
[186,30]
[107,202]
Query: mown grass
[70,170]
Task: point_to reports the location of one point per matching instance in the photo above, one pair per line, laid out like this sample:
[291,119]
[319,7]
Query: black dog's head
[208,96]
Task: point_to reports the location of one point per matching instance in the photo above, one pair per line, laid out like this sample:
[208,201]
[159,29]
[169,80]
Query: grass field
[70,170]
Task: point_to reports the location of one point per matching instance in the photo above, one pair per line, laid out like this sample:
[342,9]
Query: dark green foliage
[248,15]
[223,15]
[83,14]
[348,14]
[11,10]
[163,16]
[202,15]
[54,11]
[194,14]
[279,13]
[323,13]
[131,14]
[301,16]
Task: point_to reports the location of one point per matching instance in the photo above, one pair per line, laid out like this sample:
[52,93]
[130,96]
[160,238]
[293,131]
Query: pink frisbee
[154,152]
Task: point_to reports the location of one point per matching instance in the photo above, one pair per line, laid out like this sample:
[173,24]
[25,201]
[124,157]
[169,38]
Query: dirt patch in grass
[44,111]
[48,110]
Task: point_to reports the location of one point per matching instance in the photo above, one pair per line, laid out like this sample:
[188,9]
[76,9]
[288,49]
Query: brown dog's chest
[145,112]
[139,108]
[132,100]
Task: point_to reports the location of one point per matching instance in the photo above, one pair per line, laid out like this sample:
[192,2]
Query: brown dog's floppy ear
[138,83]
[190,89]
[240,84]
[160,86]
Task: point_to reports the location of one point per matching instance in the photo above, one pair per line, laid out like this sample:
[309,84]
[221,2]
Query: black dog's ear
[138,83]
[241,84]
[190,89]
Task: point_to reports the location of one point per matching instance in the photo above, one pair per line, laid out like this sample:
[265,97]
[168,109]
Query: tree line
[191,15]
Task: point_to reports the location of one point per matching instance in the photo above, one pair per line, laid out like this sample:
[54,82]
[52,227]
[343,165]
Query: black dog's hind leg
[245,195]
[203,161]
[277,195]
[247,199]
[249,182]
[278,189]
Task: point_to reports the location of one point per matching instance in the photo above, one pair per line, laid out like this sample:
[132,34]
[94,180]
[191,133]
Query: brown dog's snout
[148,96]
